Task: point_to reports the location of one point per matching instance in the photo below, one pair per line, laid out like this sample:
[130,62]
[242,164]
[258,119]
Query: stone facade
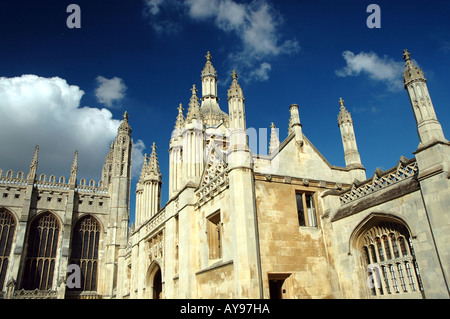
[46,224]
[241,225]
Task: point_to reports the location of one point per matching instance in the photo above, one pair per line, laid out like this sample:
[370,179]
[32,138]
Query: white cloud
[110,91]
[46,111]
[154,11]
[200,9]
[256,25]
[383,69]
[153,6]
[262,73]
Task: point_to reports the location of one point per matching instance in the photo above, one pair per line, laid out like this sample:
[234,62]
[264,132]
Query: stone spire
[150,168]
[180,117]
[236,103]
[209,69]
[153,164]
[74,169]
[345,124]
[412,72]
[125,126]
[428,127]
[274,143]
[344,115]
[33,164]
[210,110]
[194,106]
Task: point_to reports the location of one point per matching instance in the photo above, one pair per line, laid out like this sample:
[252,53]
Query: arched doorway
[157,285]
[154,285]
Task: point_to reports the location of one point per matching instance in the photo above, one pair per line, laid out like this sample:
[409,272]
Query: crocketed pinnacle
[194,106]
[344,115]
[180,118]
[33,164]
[209,68]
[125,126]
[153,162]
[74,169]
[274,143]
[235,90]
[412,72]
[150,168]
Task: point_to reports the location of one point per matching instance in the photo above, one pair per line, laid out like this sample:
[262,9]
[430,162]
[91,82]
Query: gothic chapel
[236,224]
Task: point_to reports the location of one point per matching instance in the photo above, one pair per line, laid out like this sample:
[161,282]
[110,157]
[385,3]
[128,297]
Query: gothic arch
[85,246]
[154,280]
[42,246]
[8,224]
[382,246]
[369,221]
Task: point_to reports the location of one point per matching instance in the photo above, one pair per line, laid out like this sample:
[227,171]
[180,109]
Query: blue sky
[66,89]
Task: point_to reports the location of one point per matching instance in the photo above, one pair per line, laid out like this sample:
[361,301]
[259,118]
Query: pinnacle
[180,118]
[412,72]
[124,126]
[150,167]
[194,106]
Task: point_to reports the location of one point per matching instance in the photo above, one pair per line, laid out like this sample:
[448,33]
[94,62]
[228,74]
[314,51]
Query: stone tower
[148,189]
[352,158]
[242,208]
[428,127]
[119,215]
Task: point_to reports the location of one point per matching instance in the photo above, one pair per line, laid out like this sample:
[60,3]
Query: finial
[234,75]
[208,56]
[145,158]
[154,147]
[125,116]
[74,169]
[272,125]
[406,55]
[341,102]
[194,89]
[75,158]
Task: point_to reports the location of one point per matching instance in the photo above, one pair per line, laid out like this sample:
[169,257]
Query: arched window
[41,254]
[388,256]
[85,243]
[7,228]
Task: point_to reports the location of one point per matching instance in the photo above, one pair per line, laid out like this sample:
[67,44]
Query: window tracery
[41,255]
[7,229]
[85,244]
[388,257]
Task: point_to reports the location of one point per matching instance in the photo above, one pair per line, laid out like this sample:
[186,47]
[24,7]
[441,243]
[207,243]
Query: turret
[148,189]
[210,109]
[428,127]
[345,123]
[193,141]
[175,154]
[352,158]
[294,124]
[236,104]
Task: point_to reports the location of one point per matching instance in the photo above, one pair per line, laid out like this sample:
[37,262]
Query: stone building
[237,225]
[47,224]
